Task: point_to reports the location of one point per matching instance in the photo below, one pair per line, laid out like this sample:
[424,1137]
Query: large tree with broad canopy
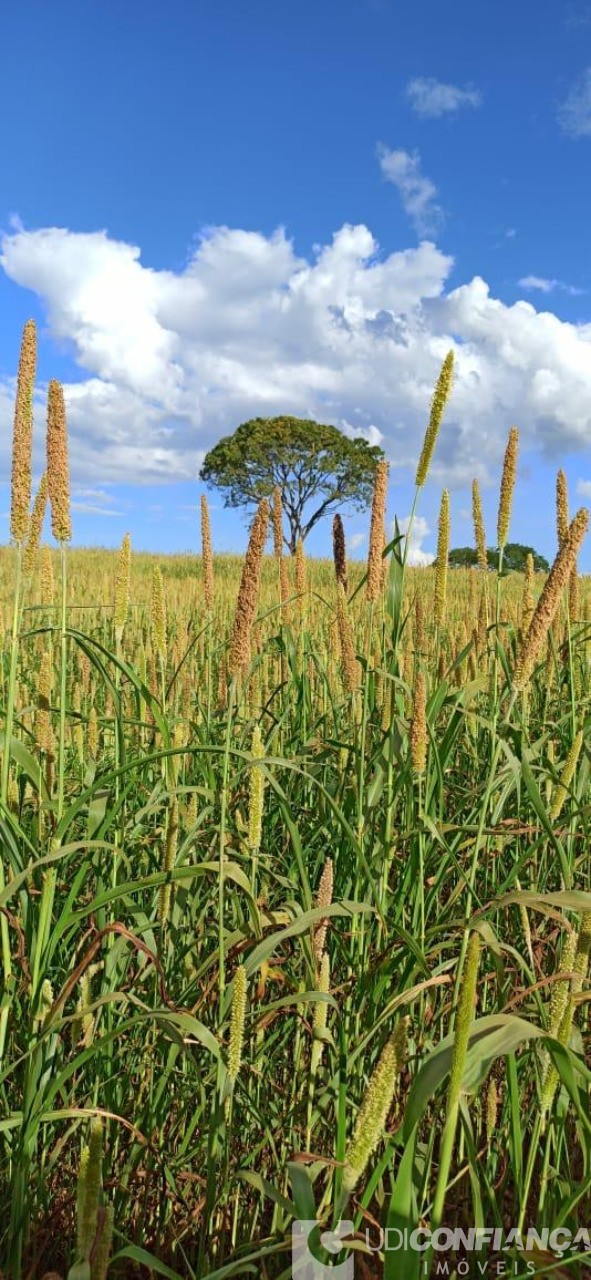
[316,467]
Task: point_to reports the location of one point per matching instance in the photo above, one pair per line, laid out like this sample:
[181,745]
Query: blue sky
[217,210]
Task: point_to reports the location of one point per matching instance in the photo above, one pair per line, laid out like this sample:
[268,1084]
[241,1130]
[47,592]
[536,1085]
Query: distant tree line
[514,558]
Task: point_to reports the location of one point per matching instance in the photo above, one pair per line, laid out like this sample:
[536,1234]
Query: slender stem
[8,728]
[63,688]
[222,851]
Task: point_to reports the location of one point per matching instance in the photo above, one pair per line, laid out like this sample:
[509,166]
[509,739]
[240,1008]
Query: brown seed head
[339,551]
[206,554]
[277,522]
[248,593]
[22,438]
[527,606]
[58,475]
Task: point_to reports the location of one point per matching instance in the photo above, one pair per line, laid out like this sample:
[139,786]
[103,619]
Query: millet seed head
[206,554]
[22,438]
[248,593]
[507,487]
[376,532]
[35,527]
[339,551]
[479,534]
[58,474]
[547,606]
[442,555]
[440,398]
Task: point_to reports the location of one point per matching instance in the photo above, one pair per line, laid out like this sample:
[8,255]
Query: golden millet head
[158,611]
[47,584]
[547,606]
[35,527]
[248,593]
[376,533]
[441,562]
[479,534]
[507,486]
[22,439]
[349,665]
[562,520]
[418,727]
[58,474]
[300,567]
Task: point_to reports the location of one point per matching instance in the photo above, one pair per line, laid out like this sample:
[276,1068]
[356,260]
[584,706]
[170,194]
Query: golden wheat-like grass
[207,554]
[58,474]
[376,533]
[22,439]
[547,606]
[248,593]
[508,478]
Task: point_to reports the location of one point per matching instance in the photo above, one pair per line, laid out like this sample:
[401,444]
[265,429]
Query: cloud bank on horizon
[170,361]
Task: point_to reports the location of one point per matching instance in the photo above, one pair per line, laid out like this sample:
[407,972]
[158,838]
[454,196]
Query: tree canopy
[514,558]
[316,467]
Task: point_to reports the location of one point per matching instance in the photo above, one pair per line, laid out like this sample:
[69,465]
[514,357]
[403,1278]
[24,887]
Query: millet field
[295,892]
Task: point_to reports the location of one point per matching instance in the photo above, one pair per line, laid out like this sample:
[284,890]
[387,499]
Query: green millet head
[440,398]
[374,1109]
[237,1019]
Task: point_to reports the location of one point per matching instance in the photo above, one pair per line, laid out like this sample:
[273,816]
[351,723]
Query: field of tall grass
[295,893]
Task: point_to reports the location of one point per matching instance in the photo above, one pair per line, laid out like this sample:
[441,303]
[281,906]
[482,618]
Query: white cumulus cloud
[416,555]
[544,284]
[169,361]
[430,97]
[417,192]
